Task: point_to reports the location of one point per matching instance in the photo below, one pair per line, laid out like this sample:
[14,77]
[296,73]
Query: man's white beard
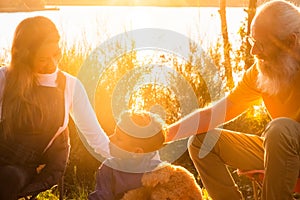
[276,75]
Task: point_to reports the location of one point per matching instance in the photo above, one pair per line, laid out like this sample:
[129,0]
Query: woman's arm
[86,120]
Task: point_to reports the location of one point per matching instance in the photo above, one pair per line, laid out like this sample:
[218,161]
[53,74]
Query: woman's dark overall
[21,154]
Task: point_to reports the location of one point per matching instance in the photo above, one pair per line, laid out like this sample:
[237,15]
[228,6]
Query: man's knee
[279,126]
[280,130]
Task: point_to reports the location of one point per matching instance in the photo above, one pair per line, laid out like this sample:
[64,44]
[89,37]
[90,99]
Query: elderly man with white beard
[273,79]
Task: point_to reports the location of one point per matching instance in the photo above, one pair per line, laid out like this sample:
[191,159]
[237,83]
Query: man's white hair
[283,19]
[283,16]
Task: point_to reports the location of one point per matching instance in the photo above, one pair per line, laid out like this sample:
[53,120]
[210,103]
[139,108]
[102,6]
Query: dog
[166,182]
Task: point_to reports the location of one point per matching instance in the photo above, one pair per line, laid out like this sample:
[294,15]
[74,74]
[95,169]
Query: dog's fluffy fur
[167,182]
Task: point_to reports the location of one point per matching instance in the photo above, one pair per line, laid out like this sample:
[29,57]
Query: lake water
[91,25]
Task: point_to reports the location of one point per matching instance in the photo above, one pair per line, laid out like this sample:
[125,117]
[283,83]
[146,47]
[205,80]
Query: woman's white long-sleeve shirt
[77,105]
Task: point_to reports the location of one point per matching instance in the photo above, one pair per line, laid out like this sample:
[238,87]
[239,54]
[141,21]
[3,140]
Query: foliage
[226,47]
[73,57]
[243,57]
[5,56]
[252,121]
[80,172]
[48,195]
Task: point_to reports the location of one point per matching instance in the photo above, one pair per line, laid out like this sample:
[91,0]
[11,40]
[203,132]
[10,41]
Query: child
[134,145]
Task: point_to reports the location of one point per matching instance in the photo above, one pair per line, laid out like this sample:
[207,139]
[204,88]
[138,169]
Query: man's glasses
[280,43]
[253,42]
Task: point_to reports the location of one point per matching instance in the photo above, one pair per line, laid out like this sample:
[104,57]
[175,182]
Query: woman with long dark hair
[36,99]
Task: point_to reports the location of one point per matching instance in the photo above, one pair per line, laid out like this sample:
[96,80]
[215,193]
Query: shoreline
[12,9]
[142,5]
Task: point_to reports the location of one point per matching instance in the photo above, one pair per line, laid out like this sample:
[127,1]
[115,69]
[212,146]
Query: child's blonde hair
[145,129]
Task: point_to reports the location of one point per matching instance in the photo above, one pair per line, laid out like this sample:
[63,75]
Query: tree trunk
[251,12]
[226,45]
